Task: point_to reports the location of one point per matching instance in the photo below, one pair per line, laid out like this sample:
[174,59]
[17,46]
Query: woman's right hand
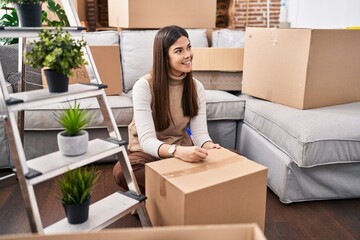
[191,153]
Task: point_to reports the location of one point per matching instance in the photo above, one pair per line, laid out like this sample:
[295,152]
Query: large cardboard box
[219,68]
[204,232]
[302,68]
[225,188]
[160,13]
[107,61]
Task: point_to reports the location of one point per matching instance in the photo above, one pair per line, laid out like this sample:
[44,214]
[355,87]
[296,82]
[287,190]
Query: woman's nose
[188,53]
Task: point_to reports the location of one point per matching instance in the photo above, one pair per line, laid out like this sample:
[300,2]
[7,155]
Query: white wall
[323,13]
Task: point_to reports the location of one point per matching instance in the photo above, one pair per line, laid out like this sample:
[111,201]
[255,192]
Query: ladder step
[54,164]
[28,32]
[121,142]
[101,214]
[26,100]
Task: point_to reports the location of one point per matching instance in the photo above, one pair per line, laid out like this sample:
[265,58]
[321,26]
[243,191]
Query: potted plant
[11,20]
[59,53]
[29,11]
[73,141]
[75,187]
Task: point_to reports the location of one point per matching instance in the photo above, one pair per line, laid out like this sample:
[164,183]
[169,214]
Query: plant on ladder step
[75,187]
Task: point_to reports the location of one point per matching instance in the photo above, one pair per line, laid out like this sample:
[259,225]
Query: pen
[190,135]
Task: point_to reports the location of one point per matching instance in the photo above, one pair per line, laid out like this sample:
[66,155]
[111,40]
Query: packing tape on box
[199,168]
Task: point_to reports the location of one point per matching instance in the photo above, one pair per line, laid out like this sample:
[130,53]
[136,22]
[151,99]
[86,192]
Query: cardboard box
[225,188]
[107,61]
[302,68]
[160,13]
[218,68]
[216,80]
[218,59]
[204,232]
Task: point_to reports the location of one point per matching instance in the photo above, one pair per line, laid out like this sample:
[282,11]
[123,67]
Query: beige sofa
[311,154]
[41,127]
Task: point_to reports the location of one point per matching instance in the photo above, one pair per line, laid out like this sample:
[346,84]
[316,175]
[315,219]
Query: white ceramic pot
[73,145]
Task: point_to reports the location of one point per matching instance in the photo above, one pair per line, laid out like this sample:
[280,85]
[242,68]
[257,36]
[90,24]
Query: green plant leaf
[76,185]
[73,119]
[9,20]
[56,50]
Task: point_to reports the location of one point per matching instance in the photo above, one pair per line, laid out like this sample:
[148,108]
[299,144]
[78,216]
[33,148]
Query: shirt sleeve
[143,118]
[198,124]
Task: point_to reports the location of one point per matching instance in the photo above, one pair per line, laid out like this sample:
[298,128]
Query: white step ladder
[33,171]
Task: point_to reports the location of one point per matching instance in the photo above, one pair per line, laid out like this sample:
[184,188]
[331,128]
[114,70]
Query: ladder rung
[29,32]
[121,142]
[55,164]
[101,214]
[139,198]
[98,85]
[13,101]
[36,98]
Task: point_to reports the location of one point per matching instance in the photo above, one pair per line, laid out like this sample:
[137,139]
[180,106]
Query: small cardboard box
[216,80]
[107,61]
[225,188]
[160,13]
[203,232]
[218,68]
[302,68]
[218,59]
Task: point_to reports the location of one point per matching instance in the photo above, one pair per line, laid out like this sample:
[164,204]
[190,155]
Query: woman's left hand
[211,145]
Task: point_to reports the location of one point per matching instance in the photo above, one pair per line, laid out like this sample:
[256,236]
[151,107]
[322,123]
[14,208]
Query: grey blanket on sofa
[9,63]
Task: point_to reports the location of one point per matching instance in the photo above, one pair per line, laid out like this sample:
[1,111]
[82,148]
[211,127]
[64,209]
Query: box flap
[190,177]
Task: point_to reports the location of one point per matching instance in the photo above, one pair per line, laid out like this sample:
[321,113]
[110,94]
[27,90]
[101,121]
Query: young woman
[166,102]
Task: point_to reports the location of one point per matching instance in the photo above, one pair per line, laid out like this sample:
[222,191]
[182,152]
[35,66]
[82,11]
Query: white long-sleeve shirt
[142,134]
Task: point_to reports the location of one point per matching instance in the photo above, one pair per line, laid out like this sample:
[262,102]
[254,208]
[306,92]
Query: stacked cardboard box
[219,68]
[145,14]
[302,68]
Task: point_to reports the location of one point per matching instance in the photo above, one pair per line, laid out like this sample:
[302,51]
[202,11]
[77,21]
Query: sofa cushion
[311,137]
[223,111]
[43,118]
[136,52]
[222,105]
[101,38]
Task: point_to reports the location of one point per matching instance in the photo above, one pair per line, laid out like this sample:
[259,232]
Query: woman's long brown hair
[164,39]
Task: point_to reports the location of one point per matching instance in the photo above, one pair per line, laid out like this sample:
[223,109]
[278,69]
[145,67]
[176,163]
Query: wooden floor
[335,219]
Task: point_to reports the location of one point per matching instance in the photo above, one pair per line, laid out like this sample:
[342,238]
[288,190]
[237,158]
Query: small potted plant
[75,187]
[59,53]
[29,11]
[73,141]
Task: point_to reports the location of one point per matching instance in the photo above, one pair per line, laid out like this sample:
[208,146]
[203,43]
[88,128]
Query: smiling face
[180,56]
